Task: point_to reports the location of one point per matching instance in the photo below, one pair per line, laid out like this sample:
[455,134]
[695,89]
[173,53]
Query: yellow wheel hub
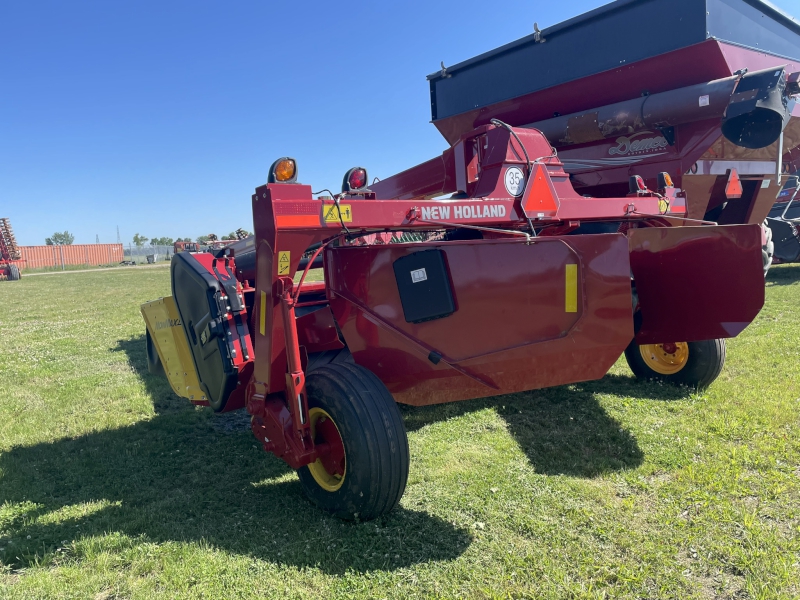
[665,359]
[330,471]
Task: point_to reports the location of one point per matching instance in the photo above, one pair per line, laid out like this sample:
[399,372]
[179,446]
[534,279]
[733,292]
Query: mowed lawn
[112,487]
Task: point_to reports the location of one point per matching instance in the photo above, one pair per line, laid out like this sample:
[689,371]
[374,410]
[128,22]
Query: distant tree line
[140,240]
[65,238]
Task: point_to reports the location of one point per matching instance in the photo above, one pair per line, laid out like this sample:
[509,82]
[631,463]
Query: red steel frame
[533,310]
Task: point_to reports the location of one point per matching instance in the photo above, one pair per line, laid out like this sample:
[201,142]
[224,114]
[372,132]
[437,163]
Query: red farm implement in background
[11,262]
[511,281]
[185,246]
[702,89]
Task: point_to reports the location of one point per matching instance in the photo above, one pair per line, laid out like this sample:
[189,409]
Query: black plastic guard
[424,286]
[197,295]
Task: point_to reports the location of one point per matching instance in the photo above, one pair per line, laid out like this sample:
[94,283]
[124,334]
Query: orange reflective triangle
[734,187]
[541,200]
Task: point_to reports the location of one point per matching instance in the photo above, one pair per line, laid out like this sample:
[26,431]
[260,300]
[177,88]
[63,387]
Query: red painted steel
[686,299]
[511,331]
[37,257]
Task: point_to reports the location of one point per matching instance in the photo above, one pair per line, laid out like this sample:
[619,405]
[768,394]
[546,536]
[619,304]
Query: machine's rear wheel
[13,273]
[363,473]
[696,364]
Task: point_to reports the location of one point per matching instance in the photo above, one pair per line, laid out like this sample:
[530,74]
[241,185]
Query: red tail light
[355,180]
[358,179]
[636,184]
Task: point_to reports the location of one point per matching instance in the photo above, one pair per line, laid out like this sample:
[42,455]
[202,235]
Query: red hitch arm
[295,378]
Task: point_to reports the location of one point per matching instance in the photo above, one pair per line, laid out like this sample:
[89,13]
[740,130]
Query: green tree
[230,236]
[203,239]
[139,240]
[161,241]
[60,239]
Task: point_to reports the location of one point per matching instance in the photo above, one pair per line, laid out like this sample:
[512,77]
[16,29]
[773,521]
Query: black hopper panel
[424,285]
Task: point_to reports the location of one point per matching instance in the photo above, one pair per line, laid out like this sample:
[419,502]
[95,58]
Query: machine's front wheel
[13,273]
[696,364]
[363,471]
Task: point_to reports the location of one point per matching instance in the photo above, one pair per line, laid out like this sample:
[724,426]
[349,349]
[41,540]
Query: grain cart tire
[13,273]
[154,365]
[768,249]
[365,473]
[695,364]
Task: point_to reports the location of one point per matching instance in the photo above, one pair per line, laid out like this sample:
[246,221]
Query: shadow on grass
[783,274]
[188,475]
[177,477]
[563,430]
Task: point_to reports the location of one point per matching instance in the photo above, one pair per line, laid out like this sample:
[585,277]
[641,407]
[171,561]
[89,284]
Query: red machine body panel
[515,327]
[683,298]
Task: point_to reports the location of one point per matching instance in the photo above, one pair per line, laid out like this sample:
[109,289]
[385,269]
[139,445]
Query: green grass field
[112,487]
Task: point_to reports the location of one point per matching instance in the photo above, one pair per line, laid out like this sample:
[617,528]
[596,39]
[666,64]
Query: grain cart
[701,89]
[10,258]
[502,286]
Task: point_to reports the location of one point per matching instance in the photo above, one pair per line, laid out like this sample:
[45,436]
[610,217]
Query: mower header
[511,282]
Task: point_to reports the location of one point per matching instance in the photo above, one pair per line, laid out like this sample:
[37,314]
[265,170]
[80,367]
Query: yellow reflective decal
[571,305]
[332,214]
[262,313]
[284,262]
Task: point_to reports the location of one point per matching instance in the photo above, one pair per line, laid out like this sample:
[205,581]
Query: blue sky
[162,117]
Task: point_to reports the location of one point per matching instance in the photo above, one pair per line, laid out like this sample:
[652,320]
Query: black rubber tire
[13,273]
[375,442]
[154,365]
[703,366]
[768,249]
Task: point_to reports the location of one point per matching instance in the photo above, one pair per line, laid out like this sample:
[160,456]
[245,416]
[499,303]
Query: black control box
[424,286]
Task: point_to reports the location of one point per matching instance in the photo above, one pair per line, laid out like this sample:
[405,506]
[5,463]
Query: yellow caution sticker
[571,289]
[284,262]
[332,213]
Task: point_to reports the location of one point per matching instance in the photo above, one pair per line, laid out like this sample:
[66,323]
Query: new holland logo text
[473,211]
[168,323]
[634,144]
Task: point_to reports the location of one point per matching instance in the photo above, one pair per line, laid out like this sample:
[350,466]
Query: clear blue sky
[162,117]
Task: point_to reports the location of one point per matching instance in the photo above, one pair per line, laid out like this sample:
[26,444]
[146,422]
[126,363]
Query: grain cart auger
[10,257]
[503,286]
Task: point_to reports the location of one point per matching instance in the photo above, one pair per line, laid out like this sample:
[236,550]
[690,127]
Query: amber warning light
[283,170]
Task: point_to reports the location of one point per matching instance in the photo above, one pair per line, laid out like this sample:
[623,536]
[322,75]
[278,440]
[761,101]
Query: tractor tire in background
[13,273]
[364,474]
[768,249]
[694,364]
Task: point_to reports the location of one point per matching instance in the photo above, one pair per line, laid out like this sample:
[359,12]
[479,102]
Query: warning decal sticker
[332,214]
[284,262]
